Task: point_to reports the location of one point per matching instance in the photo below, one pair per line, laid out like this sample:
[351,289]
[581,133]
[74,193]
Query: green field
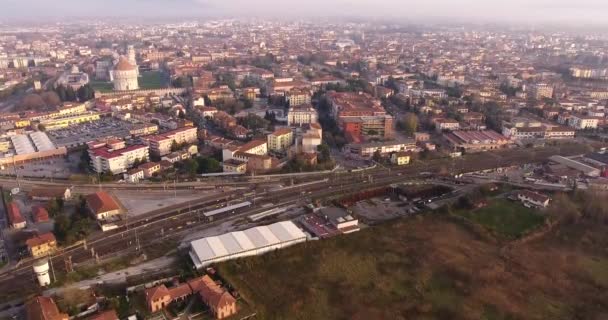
[147,80]
[150,80]
[505,218]
[102,86]
[422,268]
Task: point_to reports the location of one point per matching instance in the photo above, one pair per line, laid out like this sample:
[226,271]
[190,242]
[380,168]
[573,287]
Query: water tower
[41,268]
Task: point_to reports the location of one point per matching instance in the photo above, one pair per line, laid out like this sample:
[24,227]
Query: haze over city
[318,160]
[584,13]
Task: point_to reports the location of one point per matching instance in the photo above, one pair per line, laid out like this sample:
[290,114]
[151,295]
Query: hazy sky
[582,12]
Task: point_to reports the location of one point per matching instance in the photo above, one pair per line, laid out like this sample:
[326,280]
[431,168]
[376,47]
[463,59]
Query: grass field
[423,268]
[102,86]
[505,218]
[150,80]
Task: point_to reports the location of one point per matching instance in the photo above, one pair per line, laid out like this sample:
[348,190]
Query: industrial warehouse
[249,242]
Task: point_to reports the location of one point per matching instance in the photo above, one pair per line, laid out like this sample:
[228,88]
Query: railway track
[142,233]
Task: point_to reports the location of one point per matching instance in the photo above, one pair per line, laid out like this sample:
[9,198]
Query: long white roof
[42,141]
[228,244]
[22,144]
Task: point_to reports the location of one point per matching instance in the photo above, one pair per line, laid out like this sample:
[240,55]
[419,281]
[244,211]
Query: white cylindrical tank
[41,268]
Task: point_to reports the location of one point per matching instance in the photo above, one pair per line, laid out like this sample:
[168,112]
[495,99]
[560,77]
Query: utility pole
[69,267]
[136,241]
[52,269]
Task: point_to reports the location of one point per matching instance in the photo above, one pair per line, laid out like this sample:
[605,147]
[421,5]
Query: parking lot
[52,168]
[380,209]
[80,134]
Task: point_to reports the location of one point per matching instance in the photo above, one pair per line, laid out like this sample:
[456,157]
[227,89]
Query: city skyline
[538,12]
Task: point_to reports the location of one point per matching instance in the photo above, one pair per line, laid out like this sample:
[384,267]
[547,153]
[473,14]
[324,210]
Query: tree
[190,166]
[70,95]
[324,153]
[85,160]
[208,165]
[564,209]
[377,156]
[61,226]
[32,102]
[410,123]
[182,82]
[85,93]
[61,92]
[174,146]
[55,206]
[51,98]
[254,122]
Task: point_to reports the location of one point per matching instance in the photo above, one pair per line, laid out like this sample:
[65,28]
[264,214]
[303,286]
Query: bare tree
[51,98]
[32,102]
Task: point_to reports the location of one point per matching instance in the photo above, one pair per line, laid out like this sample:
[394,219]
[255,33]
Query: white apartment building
[161,144]
[257,147]
[115,161]
[583,122]
[302,114]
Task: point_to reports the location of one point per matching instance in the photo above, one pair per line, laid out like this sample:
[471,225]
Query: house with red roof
[40,214]
[157,298]
[42,245]
[14,216]
[102,205]
[43,308]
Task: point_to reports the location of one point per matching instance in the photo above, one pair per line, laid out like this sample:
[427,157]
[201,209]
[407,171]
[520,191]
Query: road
[170,222]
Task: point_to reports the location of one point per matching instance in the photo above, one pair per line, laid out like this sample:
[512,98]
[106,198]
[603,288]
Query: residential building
[150,169]
[367,150]
[539,91]
[134,175]
[580,122]
[475,141]
[157,298]
[64,122]
[400,158]
[258,147]
[296,97]
[534,198]
[41,245]
[221,303]
[43,308]
[14,215]
[442,124]
[301,114]
[160,144]
[106,159]
[233,165]
[360,115]
[49,193]
[102,205]
[40,214]
[280,140]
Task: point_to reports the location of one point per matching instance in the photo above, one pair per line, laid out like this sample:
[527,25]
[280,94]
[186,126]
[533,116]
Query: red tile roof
[106,315]
[14,214]
[155,293]
[40,239]
[40,214]
[43,308]
[180,291]
[102,202]
[214,295]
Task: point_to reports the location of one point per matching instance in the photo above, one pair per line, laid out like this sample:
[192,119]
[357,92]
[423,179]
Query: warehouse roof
[240,242]
[22,144]
[42,141]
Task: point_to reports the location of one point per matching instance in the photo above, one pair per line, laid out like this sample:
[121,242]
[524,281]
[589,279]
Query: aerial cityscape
[213,160]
